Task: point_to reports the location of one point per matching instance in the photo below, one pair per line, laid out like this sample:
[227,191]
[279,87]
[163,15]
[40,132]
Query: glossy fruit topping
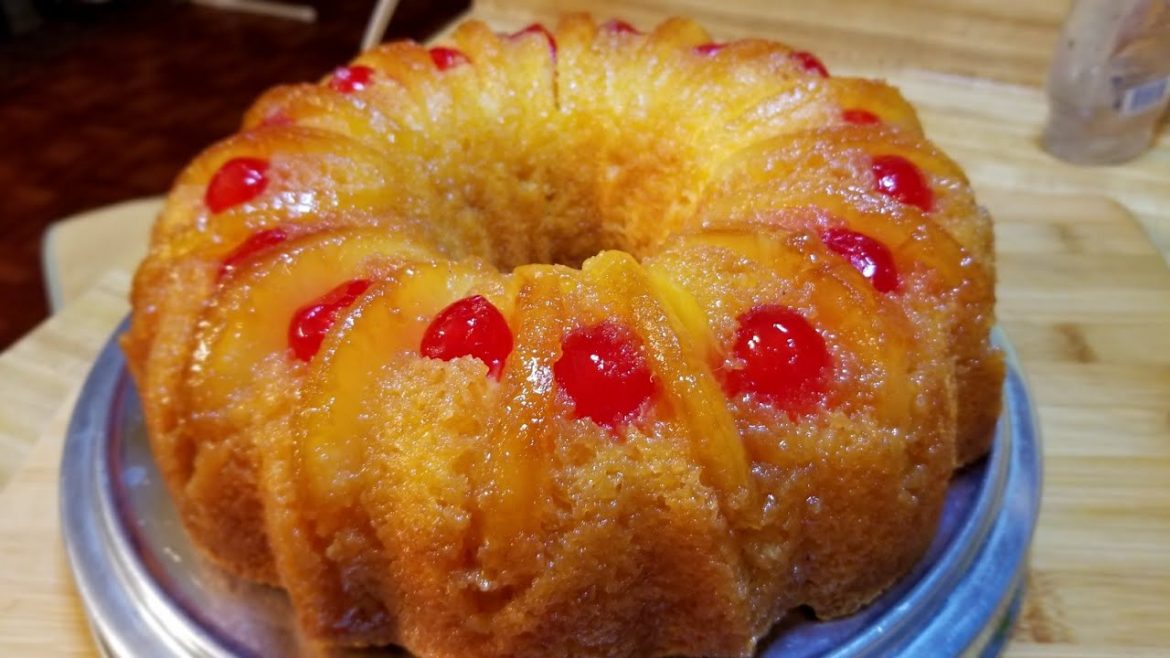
[255,244]
[868,256]
[785,362]
[471,326]
[537,28]
[447,58]
[709,49]
[604,373]
[238,181]
[809,62]
[349,79]
[621,27]
[859,117]
[897,177]
[312,321]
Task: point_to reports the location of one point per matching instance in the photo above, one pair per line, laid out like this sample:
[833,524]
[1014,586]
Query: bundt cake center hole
[566,236]
[557,199]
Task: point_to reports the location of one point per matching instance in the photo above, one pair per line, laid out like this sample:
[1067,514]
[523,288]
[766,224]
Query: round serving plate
[149,593]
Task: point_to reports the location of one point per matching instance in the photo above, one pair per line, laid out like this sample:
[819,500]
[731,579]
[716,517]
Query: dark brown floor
[110,105]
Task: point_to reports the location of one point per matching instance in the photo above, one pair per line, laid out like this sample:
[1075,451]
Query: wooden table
[1084,295]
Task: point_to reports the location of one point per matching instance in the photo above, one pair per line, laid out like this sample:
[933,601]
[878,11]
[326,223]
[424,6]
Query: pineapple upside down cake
[573,341]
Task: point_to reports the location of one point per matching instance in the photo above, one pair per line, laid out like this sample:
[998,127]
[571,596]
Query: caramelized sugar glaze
[582,341]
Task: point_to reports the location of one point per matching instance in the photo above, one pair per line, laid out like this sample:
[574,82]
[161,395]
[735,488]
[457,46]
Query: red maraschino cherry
[256,243]
[620,26]
[809,62]
[349,79]
[447,58]
[897,177]
[785,362]
[537,28]
[238,181]
[868,256]
[473,327]
[312,321]
[860,117]
[604,373]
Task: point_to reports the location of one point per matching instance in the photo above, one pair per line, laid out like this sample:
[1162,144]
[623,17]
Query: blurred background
[102,102]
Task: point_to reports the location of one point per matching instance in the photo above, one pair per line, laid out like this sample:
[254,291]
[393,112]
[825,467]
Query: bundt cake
[576,342]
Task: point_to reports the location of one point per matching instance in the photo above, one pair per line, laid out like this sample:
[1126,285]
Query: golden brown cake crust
[586,176]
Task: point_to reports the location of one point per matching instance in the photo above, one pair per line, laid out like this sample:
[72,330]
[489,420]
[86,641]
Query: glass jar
[1110,80]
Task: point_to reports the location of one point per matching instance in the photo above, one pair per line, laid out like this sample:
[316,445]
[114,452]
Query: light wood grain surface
[1084,294]
[77,251]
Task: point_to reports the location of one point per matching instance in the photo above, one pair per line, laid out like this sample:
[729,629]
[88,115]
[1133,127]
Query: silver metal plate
[148,592]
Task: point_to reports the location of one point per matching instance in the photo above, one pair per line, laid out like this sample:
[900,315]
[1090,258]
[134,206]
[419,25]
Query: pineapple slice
[381,330]
[309,173]
[238,383]
[943,285]
[667,320]
[239,372]
[409,67]
[854,319]
[169,298]
[879,448]
[814,104]
[517,70]
[513,476]
[918,244]
[382,117]
[367,479]
[851,158]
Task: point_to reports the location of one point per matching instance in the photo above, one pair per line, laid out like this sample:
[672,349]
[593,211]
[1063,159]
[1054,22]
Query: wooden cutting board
[1083,295]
